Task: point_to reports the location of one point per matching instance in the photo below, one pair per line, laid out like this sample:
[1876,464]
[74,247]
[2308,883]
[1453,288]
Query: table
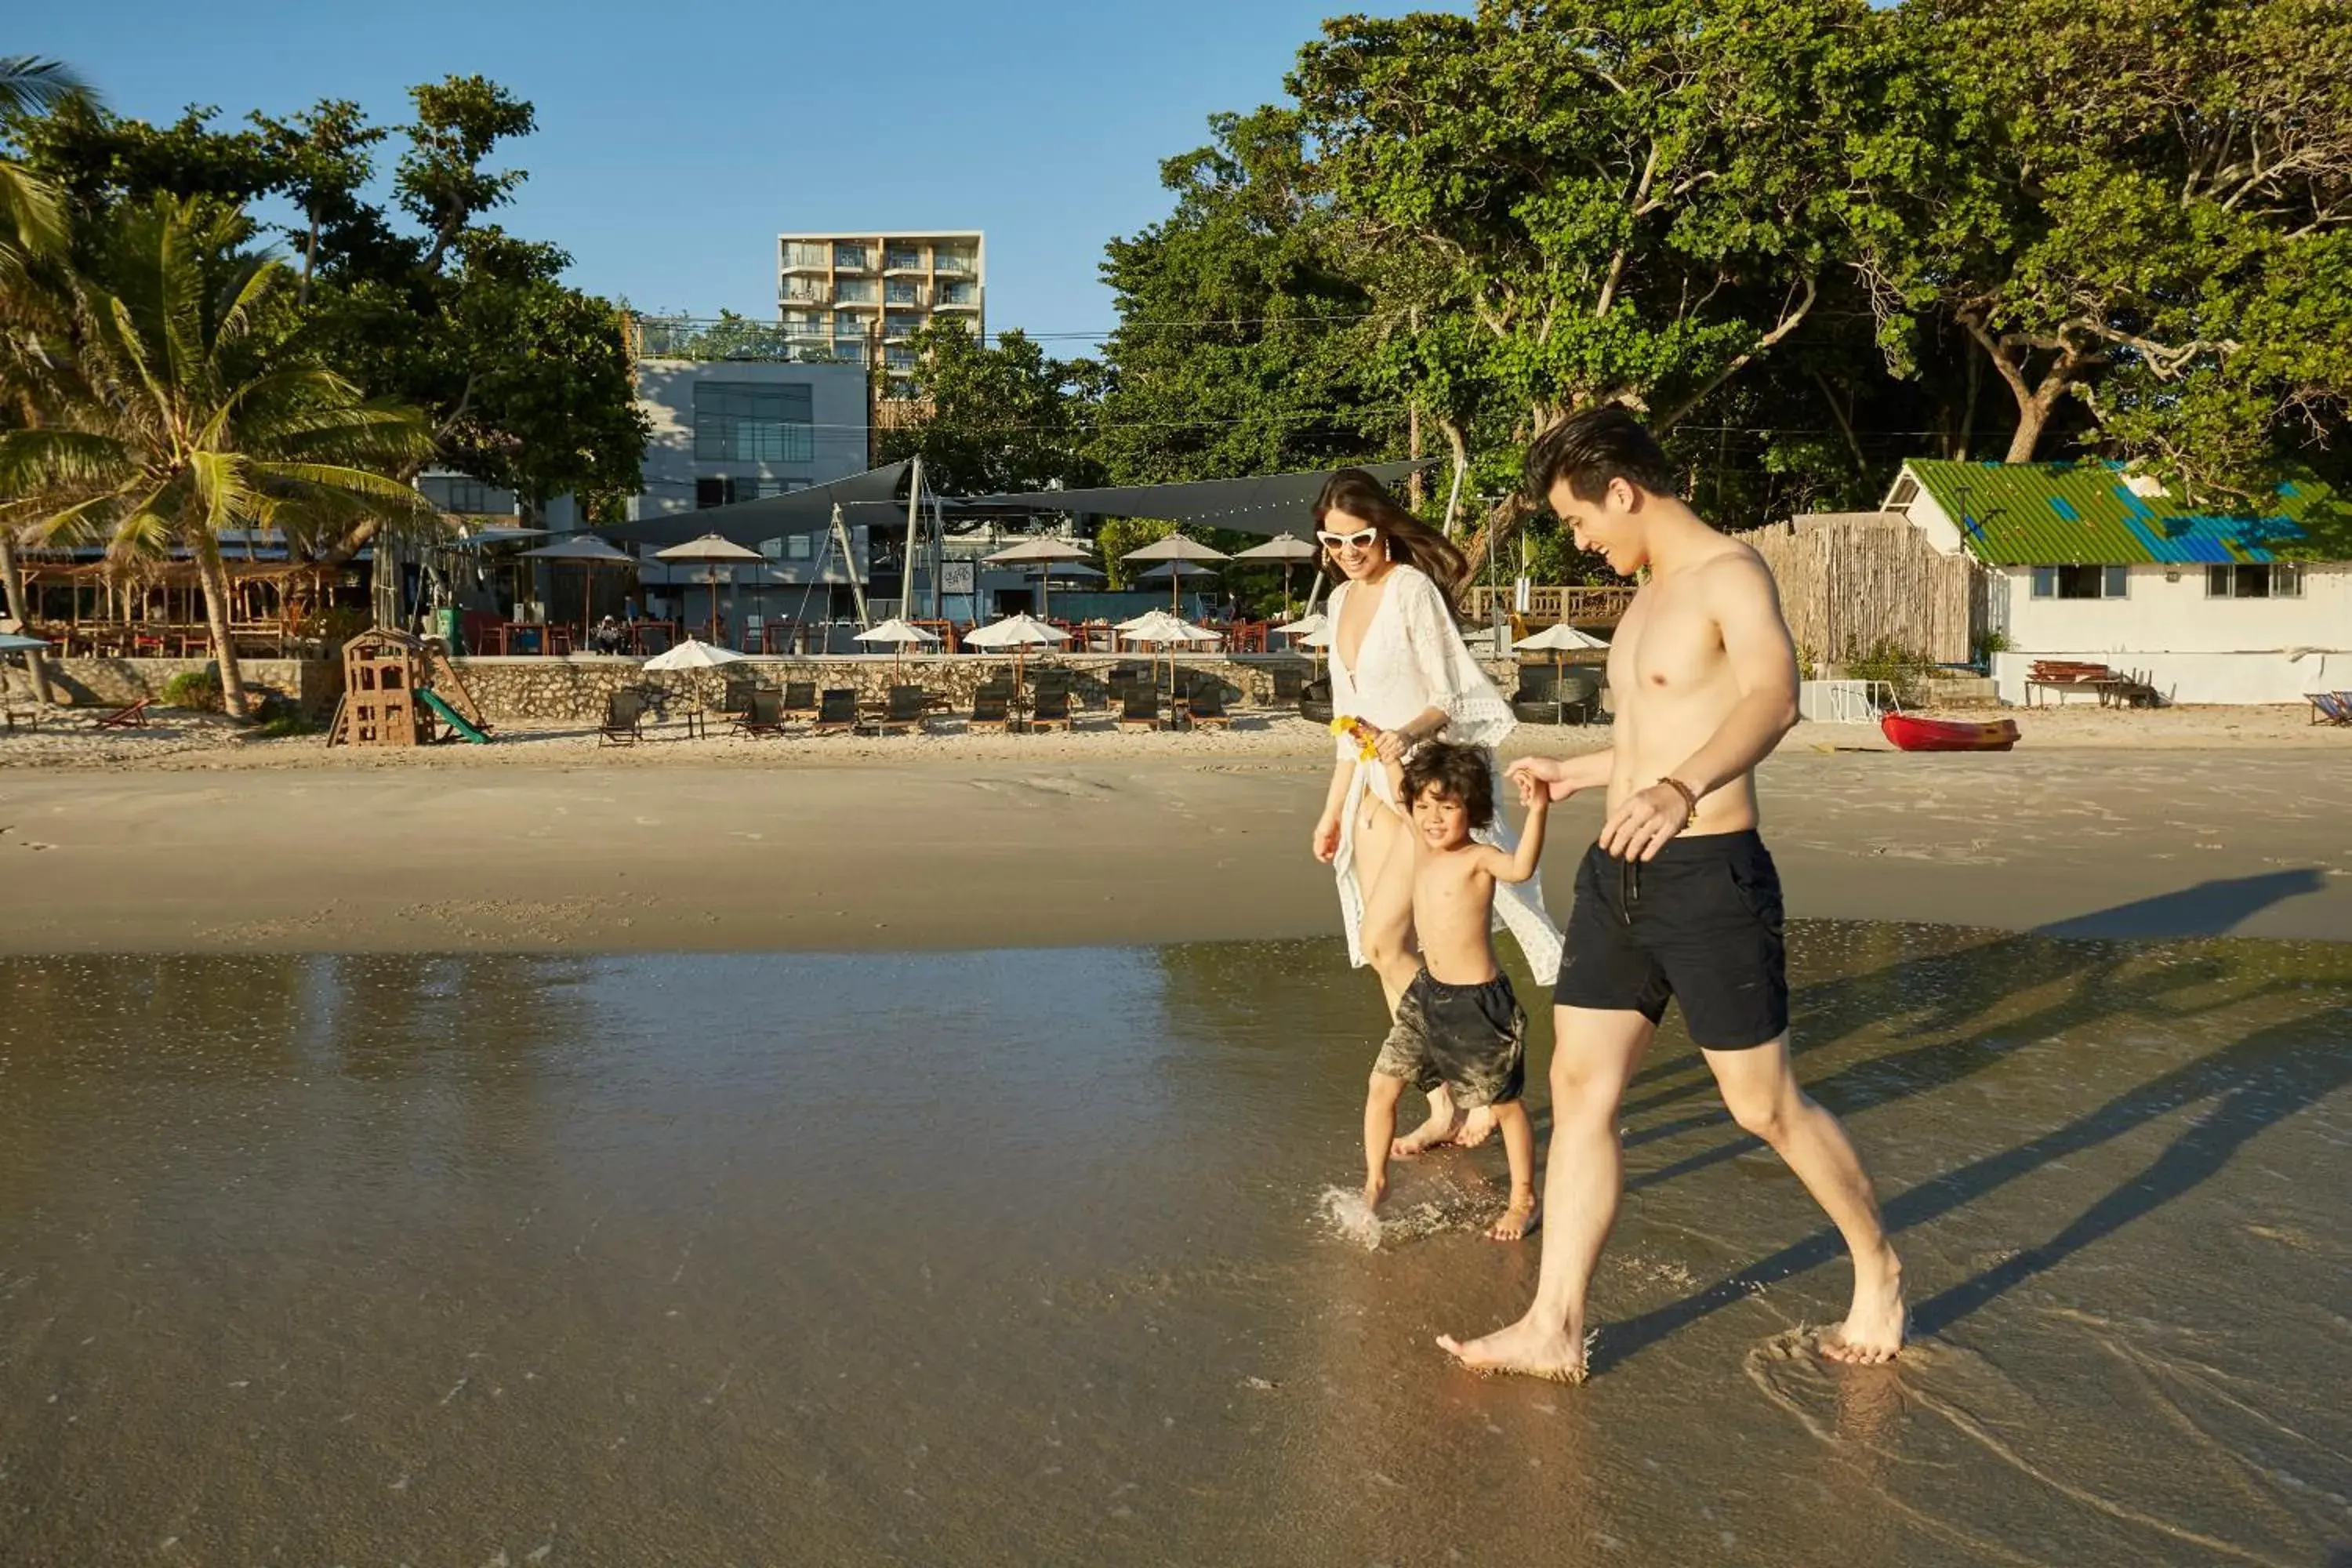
[696,720]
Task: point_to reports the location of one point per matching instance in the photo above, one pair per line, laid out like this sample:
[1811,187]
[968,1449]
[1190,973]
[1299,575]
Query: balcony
[802,291]
[856,291]
[852,258]
[806,258]
[898,293]
[898,260]
[899,327]
[954,264]
[965,297]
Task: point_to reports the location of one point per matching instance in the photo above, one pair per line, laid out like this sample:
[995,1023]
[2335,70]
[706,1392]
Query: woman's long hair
[1406,537]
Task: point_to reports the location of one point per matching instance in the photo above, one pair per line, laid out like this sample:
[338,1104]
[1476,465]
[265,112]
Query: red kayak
[1911,733]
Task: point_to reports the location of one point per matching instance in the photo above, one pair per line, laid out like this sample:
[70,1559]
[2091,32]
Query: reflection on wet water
[1021,1258]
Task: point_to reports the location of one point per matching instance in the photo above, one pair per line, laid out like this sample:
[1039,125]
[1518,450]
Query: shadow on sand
[2243,1088]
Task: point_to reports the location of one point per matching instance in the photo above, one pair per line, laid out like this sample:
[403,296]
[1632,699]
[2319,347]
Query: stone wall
[312,684]
[574,690]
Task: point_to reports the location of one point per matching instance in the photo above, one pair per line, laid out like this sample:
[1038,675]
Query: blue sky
[676,141]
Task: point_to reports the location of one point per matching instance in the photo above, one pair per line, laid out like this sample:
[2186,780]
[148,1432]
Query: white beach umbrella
[898,634]
[1557,640]
[1019,632]
[1158,628]
[694,653]
[714,551]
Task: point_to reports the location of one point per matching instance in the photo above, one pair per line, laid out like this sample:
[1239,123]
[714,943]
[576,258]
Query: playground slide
[449,716]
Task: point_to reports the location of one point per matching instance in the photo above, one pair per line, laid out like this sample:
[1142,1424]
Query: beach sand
[2183,822]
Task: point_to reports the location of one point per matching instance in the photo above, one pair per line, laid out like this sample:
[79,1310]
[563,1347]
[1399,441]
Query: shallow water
[1027,1257]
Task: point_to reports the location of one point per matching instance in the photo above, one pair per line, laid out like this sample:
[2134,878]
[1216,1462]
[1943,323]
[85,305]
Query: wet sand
[1014,1257]
[965,850]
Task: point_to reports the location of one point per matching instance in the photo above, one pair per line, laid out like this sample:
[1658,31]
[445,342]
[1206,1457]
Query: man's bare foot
[1438,1129]
[1873,1330]
[1524,1349]
[1477,1127]
[1518,1219]
[1375,1189]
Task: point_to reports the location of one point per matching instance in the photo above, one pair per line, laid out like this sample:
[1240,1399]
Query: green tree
[1003,417]
[187,411]
[524,381]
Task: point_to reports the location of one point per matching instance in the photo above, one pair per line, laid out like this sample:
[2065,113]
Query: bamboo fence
[1849,587]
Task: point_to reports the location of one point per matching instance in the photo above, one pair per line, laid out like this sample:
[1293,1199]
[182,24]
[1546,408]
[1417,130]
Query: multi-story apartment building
[861,297]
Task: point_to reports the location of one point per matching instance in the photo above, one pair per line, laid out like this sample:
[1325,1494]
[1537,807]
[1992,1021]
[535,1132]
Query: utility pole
[1413,491]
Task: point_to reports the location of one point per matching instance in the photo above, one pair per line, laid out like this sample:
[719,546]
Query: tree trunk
[214,578]
[35,662]
[2032,417]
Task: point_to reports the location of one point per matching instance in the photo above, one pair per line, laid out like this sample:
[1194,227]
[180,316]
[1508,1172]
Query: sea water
[1049,1257]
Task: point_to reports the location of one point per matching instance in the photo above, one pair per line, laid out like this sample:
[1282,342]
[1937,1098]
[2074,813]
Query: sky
[677,139]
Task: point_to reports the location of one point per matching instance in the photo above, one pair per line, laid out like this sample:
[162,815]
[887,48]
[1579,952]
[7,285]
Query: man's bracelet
[1690,799]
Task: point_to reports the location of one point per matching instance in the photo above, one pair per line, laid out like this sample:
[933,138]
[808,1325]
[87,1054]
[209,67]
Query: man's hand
[1534,795]
[1643,822]
[1551,773]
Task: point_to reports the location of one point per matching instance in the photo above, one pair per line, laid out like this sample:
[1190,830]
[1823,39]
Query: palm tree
[187,413]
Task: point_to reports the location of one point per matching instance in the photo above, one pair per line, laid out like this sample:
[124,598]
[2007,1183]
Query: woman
[1399,664]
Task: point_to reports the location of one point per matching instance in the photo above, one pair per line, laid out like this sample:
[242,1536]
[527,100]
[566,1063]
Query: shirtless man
[1678,897]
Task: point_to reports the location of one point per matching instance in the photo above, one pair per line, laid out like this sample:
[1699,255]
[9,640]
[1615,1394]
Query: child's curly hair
[1466,773]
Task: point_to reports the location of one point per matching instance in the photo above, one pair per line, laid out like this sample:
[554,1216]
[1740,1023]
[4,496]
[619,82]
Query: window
[2254,582]
[951,261]
[957,294]
[727,489]
[1905,492]
[465,495]
[799,546]
[849,324]
[899,291]
[899,359]
[902,257]
[850,349]
[897,326]
[856,291]
[2082,582]
[849,257]
[800,253]
[753,421]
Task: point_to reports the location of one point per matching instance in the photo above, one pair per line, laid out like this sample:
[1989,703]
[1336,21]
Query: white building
[2094,564]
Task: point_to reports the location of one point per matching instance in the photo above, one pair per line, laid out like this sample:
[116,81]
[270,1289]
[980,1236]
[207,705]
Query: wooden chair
[624,719]
[906,709]
[1206,705]
[1053,709]
[1289,682]
[2331,707]
[738,697]
[763,716]
[991,710]
[1139,707]
[837,712]
[800,701]
[134,717]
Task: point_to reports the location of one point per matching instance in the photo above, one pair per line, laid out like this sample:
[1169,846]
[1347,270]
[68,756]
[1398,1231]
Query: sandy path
[959,850]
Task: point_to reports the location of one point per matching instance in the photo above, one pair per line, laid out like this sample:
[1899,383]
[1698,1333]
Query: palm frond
[222,483]
[29,84]
[45,460]
[32,223]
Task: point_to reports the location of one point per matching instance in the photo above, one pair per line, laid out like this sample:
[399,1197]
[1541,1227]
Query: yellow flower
[1342,725]
[1367,738]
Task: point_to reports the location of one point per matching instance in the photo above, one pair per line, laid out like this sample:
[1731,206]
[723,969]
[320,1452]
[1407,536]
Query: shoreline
[965,847]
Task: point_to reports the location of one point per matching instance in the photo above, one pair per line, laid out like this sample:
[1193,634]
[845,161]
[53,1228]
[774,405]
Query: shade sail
[587,549]
[873,496]
[1268,504]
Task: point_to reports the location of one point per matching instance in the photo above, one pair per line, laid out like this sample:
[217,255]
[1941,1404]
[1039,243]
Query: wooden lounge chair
[905,711]
[1289,682]
[1053,709]
[800,701]
[1140,707]
[762,717]
[134,717]
[992,711]
[2331,707]
[740,688]
[1315,702]
[837,712]
[1207,705]
[624,719]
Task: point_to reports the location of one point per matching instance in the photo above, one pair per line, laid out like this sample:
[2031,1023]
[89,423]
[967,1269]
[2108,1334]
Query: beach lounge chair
[1315,702]
[625,718]
[800,701]
[905,711]
[2331,707]
[991,710]
[836,711]
[763,716]
[1207,705]
[1140,707]
[740,688]
[1052,710]
[134,717]
[1289,683]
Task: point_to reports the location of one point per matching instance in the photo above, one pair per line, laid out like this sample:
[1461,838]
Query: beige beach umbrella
[1557,640]
[714,551]
[589,554]
[1175,549]
[1045,554]
[1286,548]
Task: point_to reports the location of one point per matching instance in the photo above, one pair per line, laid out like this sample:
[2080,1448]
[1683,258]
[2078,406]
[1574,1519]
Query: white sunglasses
[1361,539]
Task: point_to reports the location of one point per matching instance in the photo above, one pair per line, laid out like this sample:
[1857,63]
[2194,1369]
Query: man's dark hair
[1591,448]
[1457,772]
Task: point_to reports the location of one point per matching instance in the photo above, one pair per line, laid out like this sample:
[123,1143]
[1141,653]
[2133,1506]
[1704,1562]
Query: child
[1458,1024]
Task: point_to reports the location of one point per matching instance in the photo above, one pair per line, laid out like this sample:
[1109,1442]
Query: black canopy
[1268,504]
[772,517]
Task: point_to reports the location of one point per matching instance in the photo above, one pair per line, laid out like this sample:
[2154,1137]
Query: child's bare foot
[1525,1349]
[1438,1129]
[1477,1127]
[1874,1329]
[1518,1220]
[1375,1189]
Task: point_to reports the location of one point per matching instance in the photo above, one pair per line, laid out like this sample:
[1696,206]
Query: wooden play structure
[402,690]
